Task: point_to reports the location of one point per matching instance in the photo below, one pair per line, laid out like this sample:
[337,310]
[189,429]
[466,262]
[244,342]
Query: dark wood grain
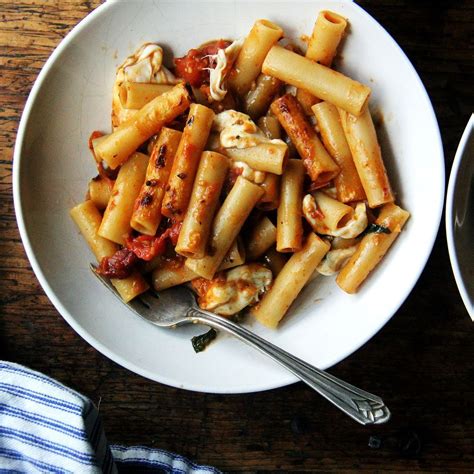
[421,363]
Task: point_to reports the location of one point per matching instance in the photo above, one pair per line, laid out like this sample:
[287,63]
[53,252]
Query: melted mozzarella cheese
[334,260]
[257,177]
[352,228]
[217,76]
[146,65]
[241,287]
[238,130]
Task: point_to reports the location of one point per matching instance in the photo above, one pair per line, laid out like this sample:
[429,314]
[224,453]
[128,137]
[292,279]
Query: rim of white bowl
[114,356]
[453,178]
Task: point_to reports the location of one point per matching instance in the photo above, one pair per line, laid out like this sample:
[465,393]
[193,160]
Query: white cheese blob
[146,65]
[238,130]
[224,60]
[334,260]
[242,286]
[352,228]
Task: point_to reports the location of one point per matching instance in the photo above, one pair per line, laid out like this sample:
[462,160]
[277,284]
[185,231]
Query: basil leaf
[203,340]
[376,229]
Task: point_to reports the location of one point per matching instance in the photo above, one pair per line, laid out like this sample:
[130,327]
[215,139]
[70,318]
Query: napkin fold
[48,427]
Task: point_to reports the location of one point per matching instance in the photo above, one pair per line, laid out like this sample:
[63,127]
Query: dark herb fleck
[146,200]
[190,121]
[203,340]
[182,175]
[376,229]
[160,159]
[151,182]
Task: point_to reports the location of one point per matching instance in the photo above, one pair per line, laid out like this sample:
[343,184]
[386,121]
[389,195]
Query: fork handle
[360,405]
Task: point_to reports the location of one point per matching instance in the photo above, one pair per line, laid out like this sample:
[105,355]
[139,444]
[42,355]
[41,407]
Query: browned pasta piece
[183,172]
[319,165]
[372,248]
[146,215]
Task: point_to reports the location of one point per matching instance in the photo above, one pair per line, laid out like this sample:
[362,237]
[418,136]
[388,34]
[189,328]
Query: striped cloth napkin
[47,427]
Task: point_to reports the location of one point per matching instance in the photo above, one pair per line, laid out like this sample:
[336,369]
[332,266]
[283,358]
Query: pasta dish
[246,169]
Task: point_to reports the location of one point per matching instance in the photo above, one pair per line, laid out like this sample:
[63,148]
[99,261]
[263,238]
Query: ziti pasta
[244,169]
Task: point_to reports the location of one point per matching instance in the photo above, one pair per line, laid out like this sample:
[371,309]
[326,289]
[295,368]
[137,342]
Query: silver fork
[177,306]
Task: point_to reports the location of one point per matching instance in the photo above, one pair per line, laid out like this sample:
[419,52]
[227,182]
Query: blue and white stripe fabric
[47,427]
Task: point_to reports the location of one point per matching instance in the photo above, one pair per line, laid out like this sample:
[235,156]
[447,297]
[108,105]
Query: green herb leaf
[376,229]
[203,340]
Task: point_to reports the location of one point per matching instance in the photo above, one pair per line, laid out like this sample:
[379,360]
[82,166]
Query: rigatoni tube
[226,226]
[362,139]
[290,281]
[116,222]
[289,222]
[317,79]
[263,35]
[88,219]
[183,172]
[320,167]
[119,145]
[372,248]
[146,215]
[347,182]
[204,200]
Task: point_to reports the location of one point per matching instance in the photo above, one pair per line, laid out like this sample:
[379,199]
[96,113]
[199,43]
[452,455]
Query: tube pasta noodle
[372,248]
[332,213]
[116,222]
[121,143]
[290,281]
[289,233]
[100,190]
[220,203]
[262,237]
[319,80]
[134,95]
[270,126]
[319,165]
[226,226]
[234,257]
[322,46]
[183,172]
[347,182]
[258,99]
[270,157]
[275,260]
[88,219]
[204,200]
[263,35]
[362,139]
[146,215]
[271,195]
[327,34]
[173,272]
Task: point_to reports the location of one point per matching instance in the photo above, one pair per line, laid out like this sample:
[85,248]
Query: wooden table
[421,363]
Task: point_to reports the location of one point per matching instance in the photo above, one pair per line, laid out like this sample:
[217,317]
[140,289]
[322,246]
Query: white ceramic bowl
[460,217]
[52,165]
